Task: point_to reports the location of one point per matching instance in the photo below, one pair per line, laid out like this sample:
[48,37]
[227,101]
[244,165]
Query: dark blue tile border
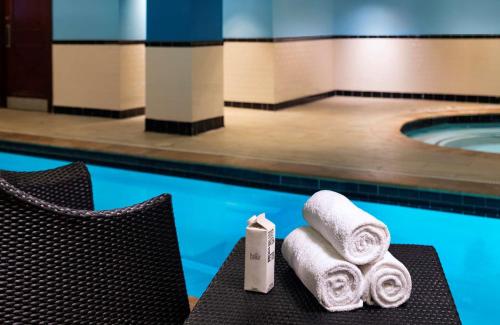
[300,182]
[386,194]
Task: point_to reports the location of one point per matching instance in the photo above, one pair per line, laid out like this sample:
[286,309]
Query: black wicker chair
[60,263]
[68,186]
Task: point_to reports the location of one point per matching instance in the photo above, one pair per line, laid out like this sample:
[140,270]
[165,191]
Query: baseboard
[373,94]
[422,96]
[108,113]
[27,104]
[184,128]
[281,105]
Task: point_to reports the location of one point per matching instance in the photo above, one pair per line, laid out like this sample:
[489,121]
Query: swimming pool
[466,244]
[470,136]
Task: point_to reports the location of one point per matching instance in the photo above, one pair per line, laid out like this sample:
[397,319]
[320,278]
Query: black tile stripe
[97,42]
[184,128]
[323,37]
[374,94]
[257,40]
[370,192]
[282,105]
[425,96]
[427,122]
[116,114]
[185,44]
[272,40]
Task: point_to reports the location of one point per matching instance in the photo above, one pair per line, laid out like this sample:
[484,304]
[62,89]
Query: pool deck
[341,138]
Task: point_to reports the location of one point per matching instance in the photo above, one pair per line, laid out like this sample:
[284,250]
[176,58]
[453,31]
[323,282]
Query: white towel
[358,236]
[337,285]
[388,282]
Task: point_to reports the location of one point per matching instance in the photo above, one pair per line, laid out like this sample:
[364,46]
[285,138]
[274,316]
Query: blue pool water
[211,217]
[470,136]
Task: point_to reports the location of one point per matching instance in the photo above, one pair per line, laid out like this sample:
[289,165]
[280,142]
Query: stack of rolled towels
[342,256]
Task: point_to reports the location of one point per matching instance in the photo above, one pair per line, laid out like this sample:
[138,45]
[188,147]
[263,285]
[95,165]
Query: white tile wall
[276,72]
[207,82]
[302,69]
[133,76]
[184,84]
[99,76]
[447,66]
[249,72]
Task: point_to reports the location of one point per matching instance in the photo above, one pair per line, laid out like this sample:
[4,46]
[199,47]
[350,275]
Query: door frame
[3,72]
[3,61]
[50,91]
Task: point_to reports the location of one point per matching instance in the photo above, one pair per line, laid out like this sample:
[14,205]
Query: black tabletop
[225,301]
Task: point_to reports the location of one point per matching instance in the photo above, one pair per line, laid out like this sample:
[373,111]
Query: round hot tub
[478,133]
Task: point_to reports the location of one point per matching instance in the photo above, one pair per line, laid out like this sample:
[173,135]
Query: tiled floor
[339,138]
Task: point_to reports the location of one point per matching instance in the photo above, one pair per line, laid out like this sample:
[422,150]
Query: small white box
[259,254]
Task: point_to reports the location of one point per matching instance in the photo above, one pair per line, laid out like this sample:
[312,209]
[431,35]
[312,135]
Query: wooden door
[28,50]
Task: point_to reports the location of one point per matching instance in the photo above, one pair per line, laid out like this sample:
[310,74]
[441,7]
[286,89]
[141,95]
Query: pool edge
[379,192]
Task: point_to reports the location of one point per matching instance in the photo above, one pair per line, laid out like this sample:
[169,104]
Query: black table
[225,301]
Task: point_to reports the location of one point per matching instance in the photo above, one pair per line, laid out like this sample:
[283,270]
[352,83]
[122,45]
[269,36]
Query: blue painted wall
[399,17]
[248,18]
[291,18]
[184,20]
[133,19]
[278,18]
[99,19]
[195,20]
[86,19]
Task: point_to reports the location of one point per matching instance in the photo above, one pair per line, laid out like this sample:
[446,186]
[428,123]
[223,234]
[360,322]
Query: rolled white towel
[337,285]
[358,236]
[388,282]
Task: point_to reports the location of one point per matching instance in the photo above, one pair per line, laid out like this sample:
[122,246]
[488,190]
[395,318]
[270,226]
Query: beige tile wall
[447,66]
[99,76]
[302,69]
[184,84]
[276,72]
[207,82]
[133,76]
[249,72]
[168,83]
[113,76]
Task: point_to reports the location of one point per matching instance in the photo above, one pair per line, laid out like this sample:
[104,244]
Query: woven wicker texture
[225,301]
[59,265]
[68,186]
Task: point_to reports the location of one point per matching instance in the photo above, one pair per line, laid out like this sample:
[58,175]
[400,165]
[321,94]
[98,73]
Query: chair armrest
[68,186]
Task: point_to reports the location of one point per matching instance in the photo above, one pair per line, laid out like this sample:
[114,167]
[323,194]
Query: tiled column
[184,89]
[99,57]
